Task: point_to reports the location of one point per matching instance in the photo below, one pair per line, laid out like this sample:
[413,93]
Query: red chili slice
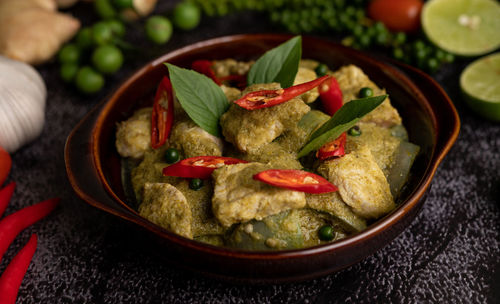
[5,196]
[334,148]
[199,166]
[297,180]
[268,98]
[330,95]
[12,277]
[205,67]
[162,118]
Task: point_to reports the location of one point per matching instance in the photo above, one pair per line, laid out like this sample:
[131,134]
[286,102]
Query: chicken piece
[305,75]
[239,198]
[194,141]
[223,68]
[204,222]
[351,79]
[150,171]
[167,207]
[333,204]
[383,145]
[275,156]
[250,130]
[362,184]
[231,93]
[133,136]
[308,64]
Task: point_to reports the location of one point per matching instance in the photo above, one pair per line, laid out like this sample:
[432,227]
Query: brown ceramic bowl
[93,165]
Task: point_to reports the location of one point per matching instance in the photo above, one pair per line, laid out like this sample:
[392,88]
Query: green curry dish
[228,207]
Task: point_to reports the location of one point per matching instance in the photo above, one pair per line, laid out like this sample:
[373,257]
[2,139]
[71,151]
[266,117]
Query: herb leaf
[278,65]
[344,119]
[202,99]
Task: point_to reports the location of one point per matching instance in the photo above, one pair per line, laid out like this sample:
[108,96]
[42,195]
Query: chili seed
[326,233]
[354,131]
[195,184]
[365,92]
[172,155]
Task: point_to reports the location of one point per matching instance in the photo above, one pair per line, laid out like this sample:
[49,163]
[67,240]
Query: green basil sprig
[344,119]
[278,65]
[202,99]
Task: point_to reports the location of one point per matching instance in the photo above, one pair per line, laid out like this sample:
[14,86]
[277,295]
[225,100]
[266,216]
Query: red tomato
[5,164]
[397,15]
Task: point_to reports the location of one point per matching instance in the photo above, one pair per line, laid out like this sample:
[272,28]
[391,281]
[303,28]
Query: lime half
[463,27]
[480,83]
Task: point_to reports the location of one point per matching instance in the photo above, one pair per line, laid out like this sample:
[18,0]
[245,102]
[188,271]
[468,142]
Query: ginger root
[32,31]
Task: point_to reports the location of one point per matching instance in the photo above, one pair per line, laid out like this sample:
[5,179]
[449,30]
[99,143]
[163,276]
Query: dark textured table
[450,254]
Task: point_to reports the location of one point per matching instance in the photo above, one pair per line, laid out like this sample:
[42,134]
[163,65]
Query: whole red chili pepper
[268,98]
[162,116]
[14,223]
[14,273]
[205,67]
[296,180]
[330,95]
[334,148]
[5,196]
[199,166]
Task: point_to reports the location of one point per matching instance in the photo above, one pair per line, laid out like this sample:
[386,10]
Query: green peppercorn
[70,53]
[326,233]
[68,71]
[432,65]
[321,69]
[398,53]
[195,184]
[172,155]
[365,92]
[354,131]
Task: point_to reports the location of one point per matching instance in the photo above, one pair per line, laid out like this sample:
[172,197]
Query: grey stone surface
[450,253]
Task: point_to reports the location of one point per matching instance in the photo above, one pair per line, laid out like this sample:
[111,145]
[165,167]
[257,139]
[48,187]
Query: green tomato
[122,4]
[70,53]
[365,92]
[172,156]
[68,71]
[326,233]
[107,59]
[102,33]
[195,184]
[321,69]
[117,27]
[186,15]
[89,81]
[158,29]
[104,9]
[84,38]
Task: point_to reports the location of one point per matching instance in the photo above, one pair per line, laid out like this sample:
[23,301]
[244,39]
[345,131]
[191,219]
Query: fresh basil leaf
[344,119]
[278,65]
[202,99]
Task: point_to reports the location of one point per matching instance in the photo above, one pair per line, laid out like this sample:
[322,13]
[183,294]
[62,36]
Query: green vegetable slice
[278,65]
[344,119]
[199,96]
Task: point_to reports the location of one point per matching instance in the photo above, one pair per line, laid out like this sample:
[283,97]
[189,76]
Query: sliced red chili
[162,116]
[268,98]
[199,166]
[334,148]
[11,279]
[205,67]
[330,95]
[14,223]
[5,196]
[297,180]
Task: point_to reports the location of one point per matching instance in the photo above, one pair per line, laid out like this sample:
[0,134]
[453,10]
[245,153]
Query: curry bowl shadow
[94,169]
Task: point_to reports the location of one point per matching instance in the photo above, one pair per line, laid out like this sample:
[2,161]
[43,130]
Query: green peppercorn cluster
[346,18]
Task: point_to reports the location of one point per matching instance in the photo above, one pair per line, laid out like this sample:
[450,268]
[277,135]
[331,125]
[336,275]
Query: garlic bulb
[22,104]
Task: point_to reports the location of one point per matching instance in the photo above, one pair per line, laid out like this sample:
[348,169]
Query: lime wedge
[480,84]
[463,27]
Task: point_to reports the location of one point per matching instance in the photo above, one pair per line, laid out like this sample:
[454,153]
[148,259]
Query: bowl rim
[371,231]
